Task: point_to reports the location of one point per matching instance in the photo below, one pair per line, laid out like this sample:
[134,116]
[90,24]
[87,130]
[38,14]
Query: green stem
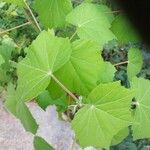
[17,27]
[73,35]
[113,12]
[34,19]
[63,87]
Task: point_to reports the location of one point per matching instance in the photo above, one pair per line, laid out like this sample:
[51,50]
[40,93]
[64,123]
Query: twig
[19,26]
[73,35]
[113,12]
[37,24]
[121,63]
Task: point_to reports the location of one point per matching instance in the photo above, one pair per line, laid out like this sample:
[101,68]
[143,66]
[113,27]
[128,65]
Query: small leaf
[93,25]
[124,31]
[135,62]
[44,100]
[52,13]
[105,113]
[41,144]
[141,114]
[45,55]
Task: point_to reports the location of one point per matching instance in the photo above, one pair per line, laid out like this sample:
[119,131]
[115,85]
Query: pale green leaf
[92,23]
[124,31]
[52,13]
[20,110]
[141,114]
[108,73]
[135,62]
[120,136]
[5,51]
[81,73]
[45,55]
[41,144]
[105,113]
[11,100]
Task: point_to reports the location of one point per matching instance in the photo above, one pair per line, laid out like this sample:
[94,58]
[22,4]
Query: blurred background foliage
[12,46]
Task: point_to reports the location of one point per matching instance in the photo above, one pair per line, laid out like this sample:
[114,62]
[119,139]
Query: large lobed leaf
[45,55]
[92,22]
[52,13]
[84,69]
[141,114]
[105,113]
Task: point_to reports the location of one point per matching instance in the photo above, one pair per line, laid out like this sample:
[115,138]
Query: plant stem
[73,35]
[19,26]
[121,63]
[63,87]
[37,24]
[113,12]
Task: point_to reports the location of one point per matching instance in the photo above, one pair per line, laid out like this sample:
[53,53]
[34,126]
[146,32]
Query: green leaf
[26,117]
[1,60]
[120,136]
[11,100]
[93,25]
[52,13]
[108,73]
[81,73]
[105,113]
[46,55]
[16,2]
[124,31]
[135,62]
[20,110]
[141,128]
[6,51]
[44,100]
[41,144]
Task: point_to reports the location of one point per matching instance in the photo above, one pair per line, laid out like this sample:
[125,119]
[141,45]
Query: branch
[37,24]
[121,63]
[19,26]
